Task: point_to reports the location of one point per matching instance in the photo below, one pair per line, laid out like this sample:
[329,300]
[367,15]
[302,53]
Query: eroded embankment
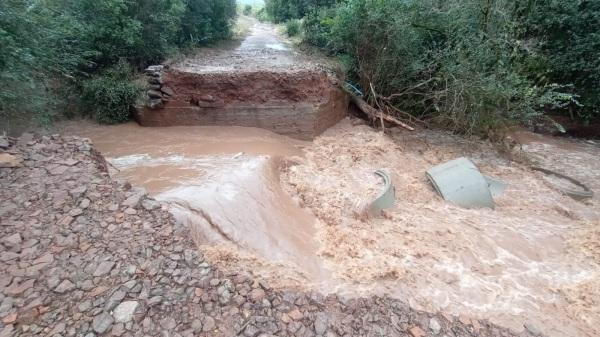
[300,103]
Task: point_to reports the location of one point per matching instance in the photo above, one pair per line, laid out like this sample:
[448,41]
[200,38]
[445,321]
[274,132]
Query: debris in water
[386,198]
[460,182]
[569,186]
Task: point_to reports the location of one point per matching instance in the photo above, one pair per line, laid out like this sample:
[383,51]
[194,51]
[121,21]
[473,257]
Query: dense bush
[284,10]
[567,35]
[50,44]
[262,15]
[247,9]
[470,65]
[206,21]
[110,95]
[32,44]
[293,27]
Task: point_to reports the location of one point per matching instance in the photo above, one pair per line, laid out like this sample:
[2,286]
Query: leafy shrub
[110,95]
[284,10]
[33,45]
[262,15]
[317,26]
[293,27]
[460,63]
[566,35]
[53,44]
[205,21]
[247,9]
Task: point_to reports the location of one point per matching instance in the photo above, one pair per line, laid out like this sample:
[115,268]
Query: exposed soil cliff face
[261,83]
[298,104]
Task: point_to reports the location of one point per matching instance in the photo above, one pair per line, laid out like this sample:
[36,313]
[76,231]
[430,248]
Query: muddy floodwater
[223,182]
[291,211]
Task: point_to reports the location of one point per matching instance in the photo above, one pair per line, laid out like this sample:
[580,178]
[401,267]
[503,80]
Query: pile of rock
[158,93]
[84,255]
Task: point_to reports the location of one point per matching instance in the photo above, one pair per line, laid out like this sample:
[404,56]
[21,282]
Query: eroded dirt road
[260,82]
[288,213]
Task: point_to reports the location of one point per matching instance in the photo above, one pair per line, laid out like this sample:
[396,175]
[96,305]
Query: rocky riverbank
[84,255]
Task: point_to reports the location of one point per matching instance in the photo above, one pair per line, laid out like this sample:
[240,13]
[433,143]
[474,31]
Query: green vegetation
[57,52]
[468,65]
[293,27]
[115,89]
[247,10]
[262,15]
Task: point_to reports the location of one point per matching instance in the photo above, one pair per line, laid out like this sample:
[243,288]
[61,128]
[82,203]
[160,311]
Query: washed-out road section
[260,82]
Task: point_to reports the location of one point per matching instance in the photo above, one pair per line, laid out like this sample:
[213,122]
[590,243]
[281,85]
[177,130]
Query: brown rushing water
[223,182]
[533,260]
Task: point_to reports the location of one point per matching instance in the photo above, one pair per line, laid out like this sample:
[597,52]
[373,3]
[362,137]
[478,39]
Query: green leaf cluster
[52,47]
[469,65]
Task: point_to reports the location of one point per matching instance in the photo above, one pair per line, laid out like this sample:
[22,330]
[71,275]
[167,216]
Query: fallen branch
[375,113]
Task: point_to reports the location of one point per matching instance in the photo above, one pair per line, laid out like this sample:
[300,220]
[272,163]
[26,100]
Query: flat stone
[154,68]
[102,322]
[196,325]
[85,203]
[58,329]
[167,90]
[435,326]
[415,331]
[295,314]
[321,323]
[10,319]
[156,104]
[154,300]
[65,221]
[44,259]
[464,319]
[133,201]
[8,160]
[69,162]
[257,295]
[12,240]
[8,256]
[104,268]
[168,323]
[532,328]
[59,170]
[7,331]
[64,287]
[154,94]
[114,299]
[155,80]
[4,142]
[17,289]
[130,211]
[77,191]
[150,204]
[75,212]
[208,324]
[123,313]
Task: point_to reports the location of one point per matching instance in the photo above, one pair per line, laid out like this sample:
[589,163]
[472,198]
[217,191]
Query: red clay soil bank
[300,104]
